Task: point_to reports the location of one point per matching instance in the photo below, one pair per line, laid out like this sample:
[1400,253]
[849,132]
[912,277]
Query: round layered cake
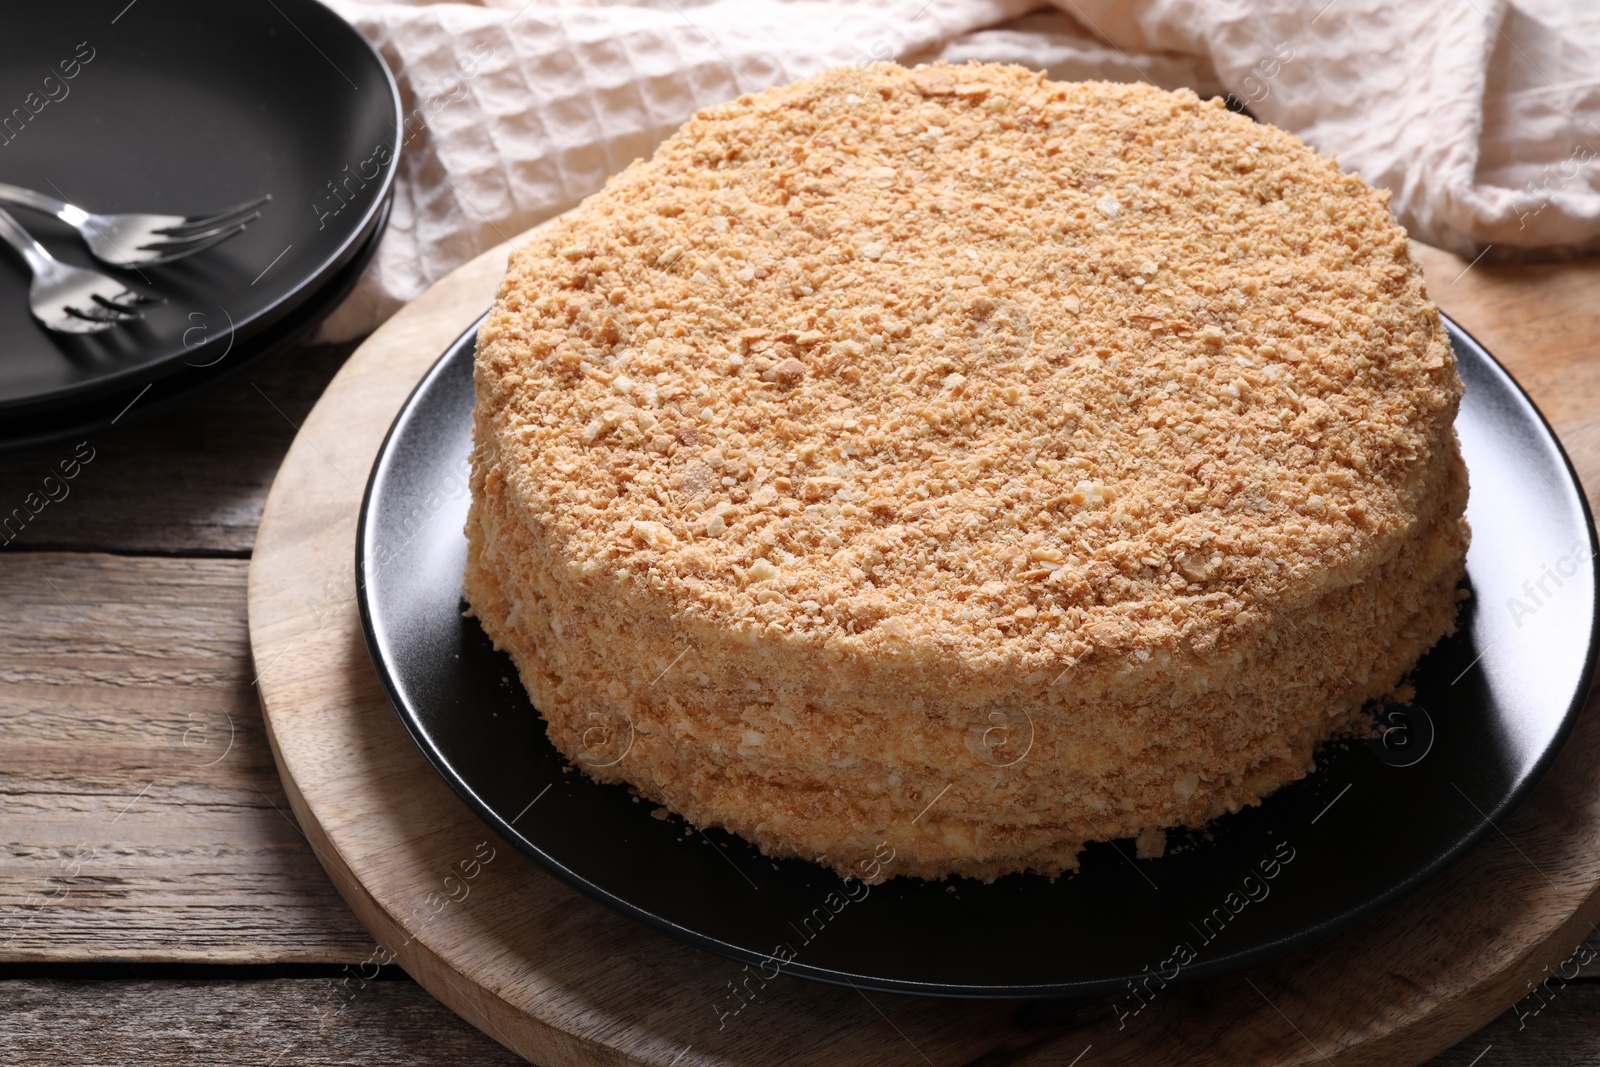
[929,471]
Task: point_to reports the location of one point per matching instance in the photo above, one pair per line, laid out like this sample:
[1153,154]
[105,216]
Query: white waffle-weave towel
[1482,116]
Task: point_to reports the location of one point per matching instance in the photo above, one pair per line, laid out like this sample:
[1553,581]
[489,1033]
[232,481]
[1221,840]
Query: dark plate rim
[1240,959]
[285,305]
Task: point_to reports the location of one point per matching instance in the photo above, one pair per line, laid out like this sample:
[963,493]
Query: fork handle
[38,258]
[20,197]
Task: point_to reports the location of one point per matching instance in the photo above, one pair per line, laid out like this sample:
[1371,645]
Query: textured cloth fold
[1482,116]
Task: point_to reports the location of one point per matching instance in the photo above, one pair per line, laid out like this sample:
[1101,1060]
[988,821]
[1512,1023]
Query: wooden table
[157,902]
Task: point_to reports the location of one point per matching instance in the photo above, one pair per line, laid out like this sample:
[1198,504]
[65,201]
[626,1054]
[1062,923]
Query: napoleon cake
[929,471]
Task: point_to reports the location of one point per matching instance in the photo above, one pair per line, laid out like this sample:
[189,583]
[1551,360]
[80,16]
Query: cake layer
[776,745]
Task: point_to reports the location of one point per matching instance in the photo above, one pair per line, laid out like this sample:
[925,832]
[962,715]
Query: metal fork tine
[108,314]
[191,248]
[68,323]
[179,240]
[115,312]
[189,230]
[123,302]
[200,222]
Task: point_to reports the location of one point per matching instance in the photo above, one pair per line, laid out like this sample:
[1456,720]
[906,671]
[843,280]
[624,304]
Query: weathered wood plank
[1564,1032]
[188,482]
[316,1021]
[265,1023]
[142,814]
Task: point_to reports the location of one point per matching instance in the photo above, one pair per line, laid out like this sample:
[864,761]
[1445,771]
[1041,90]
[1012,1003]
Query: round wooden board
[563,980]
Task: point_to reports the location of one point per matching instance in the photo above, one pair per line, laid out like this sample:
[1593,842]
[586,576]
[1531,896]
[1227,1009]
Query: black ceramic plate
[186,106]
[211,365]
[1493,705]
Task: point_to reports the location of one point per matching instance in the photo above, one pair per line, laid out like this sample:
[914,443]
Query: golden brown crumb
[963,461]
[1151,843]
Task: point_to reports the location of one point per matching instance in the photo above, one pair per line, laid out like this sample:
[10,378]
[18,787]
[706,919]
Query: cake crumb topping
[878,355]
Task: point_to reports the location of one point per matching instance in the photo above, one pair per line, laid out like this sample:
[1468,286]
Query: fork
[137,240]
[70,299]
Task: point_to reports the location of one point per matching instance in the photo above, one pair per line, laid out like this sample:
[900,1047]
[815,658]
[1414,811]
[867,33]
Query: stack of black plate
[185,107]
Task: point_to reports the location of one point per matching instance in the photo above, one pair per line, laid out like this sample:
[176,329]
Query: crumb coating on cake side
[1073,458]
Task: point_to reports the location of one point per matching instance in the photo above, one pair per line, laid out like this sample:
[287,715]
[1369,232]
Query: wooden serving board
[565,981]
